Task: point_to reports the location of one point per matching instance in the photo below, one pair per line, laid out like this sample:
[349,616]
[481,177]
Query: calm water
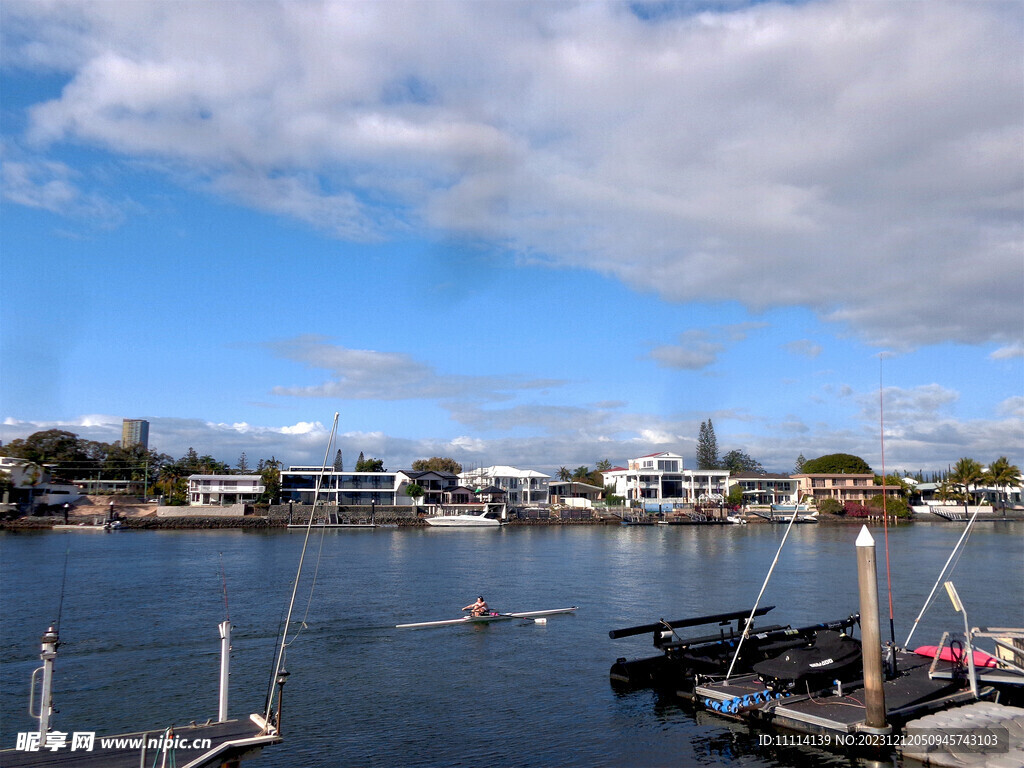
[140,643]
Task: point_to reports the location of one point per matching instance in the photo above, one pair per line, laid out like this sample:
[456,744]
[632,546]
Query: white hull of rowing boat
[487,619]
[462,521]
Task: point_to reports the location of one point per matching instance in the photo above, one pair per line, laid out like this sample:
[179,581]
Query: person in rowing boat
[479,608]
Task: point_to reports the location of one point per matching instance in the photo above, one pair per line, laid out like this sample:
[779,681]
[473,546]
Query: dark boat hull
[814,665]
[682,663]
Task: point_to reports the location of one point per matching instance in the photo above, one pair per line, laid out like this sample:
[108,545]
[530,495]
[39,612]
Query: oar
[539,620]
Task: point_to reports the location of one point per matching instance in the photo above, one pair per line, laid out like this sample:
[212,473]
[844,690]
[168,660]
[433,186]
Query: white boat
[478,520]
[487,618]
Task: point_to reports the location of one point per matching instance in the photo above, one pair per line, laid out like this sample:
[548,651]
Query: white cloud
[1008,352]
[54,186]
[693,357]
[924,435]
[363,374]
[860,159]
[804,348]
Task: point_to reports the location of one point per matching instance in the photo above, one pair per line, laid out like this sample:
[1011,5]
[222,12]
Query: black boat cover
[831,656]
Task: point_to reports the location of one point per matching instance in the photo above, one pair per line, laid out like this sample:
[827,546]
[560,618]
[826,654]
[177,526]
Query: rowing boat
[487,618]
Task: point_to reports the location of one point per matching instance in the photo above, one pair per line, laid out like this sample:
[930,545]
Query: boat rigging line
[753,611]
[224,585]
[957,551]
[63,582]
[283,641]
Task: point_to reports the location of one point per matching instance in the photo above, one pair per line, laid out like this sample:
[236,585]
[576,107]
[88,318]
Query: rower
[479,608]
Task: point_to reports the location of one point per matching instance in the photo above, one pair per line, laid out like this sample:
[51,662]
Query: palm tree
[1002,474]
[966,473]
[566,477]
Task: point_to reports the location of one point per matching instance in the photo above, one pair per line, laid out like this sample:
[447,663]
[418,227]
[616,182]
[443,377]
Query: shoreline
[260,522]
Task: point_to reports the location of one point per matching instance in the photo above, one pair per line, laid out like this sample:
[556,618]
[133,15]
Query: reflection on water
[141,644]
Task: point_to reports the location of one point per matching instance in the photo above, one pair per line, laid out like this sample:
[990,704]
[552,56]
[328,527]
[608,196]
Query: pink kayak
[981,659]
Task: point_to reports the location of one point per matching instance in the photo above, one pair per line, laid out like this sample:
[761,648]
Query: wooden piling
[871,637]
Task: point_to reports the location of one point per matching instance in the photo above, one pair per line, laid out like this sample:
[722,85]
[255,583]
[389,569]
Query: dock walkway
[974,722]
[913,692]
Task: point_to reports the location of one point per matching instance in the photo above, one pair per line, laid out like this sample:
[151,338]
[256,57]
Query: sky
[541,234]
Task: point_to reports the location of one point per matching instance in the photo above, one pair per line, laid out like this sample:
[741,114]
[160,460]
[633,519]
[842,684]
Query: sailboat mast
[298,573]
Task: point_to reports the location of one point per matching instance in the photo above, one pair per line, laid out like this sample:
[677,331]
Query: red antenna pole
[885,511]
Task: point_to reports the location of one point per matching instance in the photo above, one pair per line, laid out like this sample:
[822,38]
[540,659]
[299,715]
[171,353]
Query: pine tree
[339,464]
[800,461]
[707,447]
[243,464]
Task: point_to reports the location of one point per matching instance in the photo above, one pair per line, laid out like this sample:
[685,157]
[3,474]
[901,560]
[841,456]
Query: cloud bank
[862,160]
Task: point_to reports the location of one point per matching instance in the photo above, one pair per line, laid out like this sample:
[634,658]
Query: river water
[141,650]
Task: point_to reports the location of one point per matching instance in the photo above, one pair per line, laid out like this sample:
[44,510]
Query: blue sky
[539,234]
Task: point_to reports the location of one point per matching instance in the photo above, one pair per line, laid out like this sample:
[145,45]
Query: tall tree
[707,447]
[243,464]
[965,474]
[270,474]
[437,464]
[737,461]
[369,465]
[414,492]
[50,446]
[1003,475]
[603,465]
[837,463]
[339,462]
[800,462]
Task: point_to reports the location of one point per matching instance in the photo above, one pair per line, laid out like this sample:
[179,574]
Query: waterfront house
[857,488]
[224,490]
[523,487]
[659,478]
[32,485]
[299,485]
[460,494]
[435,484]
[766,488]
[573,493]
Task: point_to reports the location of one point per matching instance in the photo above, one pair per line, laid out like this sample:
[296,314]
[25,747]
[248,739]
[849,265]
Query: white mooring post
[225,665]
[871,635]
[49,653]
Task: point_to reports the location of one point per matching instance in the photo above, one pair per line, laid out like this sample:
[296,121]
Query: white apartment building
[224,490]
[523,487]
[660,478]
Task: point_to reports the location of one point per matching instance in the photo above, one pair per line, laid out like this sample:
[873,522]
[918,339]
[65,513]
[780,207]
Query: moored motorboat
[485,519]
[686,661]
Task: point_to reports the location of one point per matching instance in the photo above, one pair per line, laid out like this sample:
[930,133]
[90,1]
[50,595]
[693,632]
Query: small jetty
[218,744]
[215,743]
[943,705]
[839,710]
